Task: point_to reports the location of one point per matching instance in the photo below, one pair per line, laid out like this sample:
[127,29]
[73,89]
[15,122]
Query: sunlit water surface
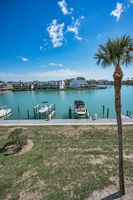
[93,98]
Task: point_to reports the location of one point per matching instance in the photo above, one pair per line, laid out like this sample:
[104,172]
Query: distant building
[57,84]
[2,85]
[41,85]
[21,85]
[49,85]
[17,85]
[61,84]
[103,82]
[5,86]
[26,85]
[78,84]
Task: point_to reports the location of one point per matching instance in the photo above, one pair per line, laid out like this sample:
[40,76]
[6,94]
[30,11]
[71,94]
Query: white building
[61,84]
[57,84]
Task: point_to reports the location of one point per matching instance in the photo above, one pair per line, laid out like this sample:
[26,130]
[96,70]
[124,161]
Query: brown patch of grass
[79,149]
[30,195]
[99,160]
[129,156]
[71,185]
[40,184]
[28,174]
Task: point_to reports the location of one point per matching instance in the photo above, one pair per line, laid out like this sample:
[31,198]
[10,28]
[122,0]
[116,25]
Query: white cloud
[74,28]
[24,59]
[129,3]
[41,48]
[7,75]
[78,37]
[55,73]
[43,45]
[82,17]
[64,9]
[71,9]
[118,11]
[72,18]
[55,65]
[56,34]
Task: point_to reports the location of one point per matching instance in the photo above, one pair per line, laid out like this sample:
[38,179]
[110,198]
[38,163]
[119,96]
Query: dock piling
[107,112]
[103,110]
[18,109]
[28,115]
[34,113]
[70,112]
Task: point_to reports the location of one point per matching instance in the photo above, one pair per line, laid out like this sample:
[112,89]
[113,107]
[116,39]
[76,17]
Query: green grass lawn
[66,162]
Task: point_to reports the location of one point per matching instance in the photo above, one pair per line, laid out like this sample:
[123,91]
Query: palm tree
[117,52]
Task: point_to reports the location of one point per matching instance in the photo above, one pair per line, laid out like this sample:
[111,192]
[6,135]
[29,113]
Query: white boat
[80,107]
[46,108]
[126,116]
[4,111]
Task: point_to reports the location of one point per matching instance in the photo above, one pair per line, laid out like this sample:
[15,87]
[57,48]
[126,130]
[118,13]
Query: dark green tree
[80,78]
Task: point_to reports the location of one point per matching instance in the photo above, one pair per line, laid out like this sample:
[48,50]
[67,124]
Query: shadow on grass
[115,195]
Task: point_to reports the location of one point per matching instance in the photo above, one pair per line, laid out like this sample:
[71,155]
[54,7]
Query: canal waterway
[93,98]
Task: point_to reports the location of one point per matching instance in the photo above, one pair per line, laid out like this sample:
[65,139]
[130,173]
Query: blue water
[94,99]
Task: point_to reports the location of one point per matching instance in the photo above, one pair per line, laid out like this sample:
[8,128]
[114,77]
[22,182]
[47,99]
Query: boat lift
[46,110]
[5,112]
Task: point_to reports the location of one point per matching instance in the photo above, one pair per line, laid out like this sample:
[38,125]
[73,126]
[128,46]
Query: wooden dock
[126,121]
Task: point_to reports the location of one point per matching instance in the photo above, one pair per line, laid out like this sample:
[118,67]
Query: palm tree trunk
[118,74]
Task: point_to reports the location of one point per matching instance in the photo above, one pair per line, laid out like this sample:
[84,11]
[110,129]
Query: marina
[99,103]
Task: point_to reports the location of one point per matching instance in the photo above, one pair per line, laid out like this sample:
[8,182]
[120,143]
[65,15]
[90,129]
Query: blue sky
[57,39]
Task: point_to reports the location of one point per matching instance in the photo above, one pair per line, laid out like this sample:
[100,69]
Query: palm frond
[115,51]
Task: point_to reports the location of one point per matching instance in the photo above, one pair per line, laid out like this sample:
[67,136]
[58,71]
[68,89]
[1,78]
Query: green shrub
[17,137]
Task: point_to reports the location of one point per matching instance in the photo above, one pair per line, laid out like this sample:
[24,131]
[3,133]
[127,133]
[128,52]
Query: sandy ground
[26,148]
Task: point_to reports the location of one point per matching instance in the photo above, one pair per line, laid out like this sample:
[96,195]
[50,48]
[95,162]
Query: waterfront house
[57,84]
[79,84]
[2,85]
[26,85]
[61,84]
[17,85]
[5,86]
[41,85]
[49,85]
[103,82]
